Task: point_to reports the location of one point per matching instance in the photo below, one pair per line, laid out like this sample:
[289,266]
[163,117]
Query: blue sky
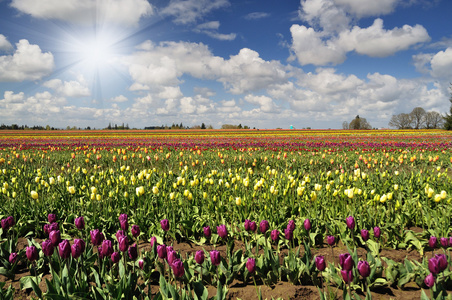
[261,63]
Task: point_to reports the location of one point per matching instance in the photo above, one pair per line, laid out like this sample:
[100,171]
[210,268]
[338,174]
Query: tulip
[115,257]
[47,247]
[207,231]
[215,257]
[363,268]
[350,222]
[65,249]
[346,261]
[123,243]
[347,275]
[133,252]
[123,222]
[99,252]
[79,223]
[165,224]
[12,258]
[274,235]
[288,234]
[433,265]
[171,256]
[320,263]
[96,237]
[135,230]
[51,218]
[432,242]
[377,232]
[153,241]
[444,242]
[365,234]
[442,261]
[251,265]
[178,268]
[161,251]
[430,280]
[32,253]
[4,223]
[307,224]
[199,256]
[10,221]
[253,226]
[263,226]
[77,248]
[141,264]
[55,237]
[222,231]
[120,233]
[330,239]
[107,248]
[34,195]
[291,225]
[247,225]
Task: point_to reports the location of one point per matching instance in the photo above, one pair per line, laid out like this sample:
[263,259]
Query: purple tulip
[330,239]
[123,243]
[178,268]
[65,249]
[53,226]
[153,241]
[120,233]
[433,265]
[450,241]
[141,264]
[377,232]
[199,256]
[274,235]
[291,225]
[346,261]
[77,248]
[207,231]
[12,258]
[444,242]
[115,257]
[124,221]
[32,253]
[55,237]
[10,221]
[96,237]
[320,263]
[133,252]
[365,234]
[430,280]
[253,226]
[222,231]
[79,223]
[363,268]
[215,257]
[442,261]
[251,265]
[350,222]
[247,224]
[4,224]
[161,251]
[107,248]
[165,224]
[169,248]
[135,230]
[51,218]
[99,252]
[47,247]
[307,224]
[432,242]
[288,234]
[263,226]
[171,256]
[347,275]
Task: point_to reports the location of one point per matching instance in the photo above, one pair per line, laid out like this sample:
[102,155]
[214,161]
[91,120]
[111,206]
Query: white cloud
[366,8]
[122,12]
[189,11]
[441,63]
[4,44]
[325,14]
[173,92]
[257,15]
[27,63]
[68,88]
[119,99]
[211,29]
[265,103]
[10,97]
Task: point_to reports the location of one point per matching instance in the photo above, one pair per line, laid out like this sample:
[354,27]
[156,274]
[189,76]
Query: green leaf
[424,296]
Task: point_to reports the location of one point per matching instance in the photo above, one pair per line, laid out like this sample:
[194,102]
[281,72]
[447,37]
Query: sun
[97,51]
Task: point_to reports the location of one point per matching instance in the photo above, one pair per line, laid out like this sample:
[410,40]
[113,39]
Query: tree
[203,126]
[433,120]
[345,125]
[401,121]
[418,115]
[359,123]
[448,117]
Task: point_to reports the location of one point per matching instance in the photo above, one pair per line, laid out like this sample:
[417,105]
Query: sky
[261,63]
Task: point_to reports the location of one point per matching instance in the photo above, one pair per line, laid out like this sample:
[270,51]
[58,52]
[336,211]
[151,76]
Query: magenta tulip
[320,263]
[199,256]
[215,257]
[165,224]
[251,265]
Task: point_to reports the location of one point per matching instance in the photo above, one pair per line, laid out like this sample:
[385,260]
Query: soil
[237,290]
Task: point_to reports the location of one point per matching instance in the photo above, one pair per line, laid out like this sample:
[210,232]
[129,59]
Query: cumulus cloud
[68,88]
[122,12]
[265,103]
[119,99]
[211,29]
[4,44]
[366,8]
[27,63]
[189,11]
[441,63]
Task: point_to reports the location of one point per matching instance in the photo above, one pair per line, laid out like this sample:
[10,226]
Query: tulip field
[226,214]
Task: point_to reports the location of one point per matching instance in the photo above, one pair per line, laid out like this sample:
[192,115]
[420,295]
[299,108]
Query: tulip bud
[365,234]
[65,249]
[79,223]
[4,224]
[124,222]
[215,257]
[347,275]
[350,222]
[251,265]
[165,224]
[320,263]
[51,218]
[307,224]
[141,264]
[444,242]
[96,237]
[274,235]
[222,231]
[433,265]
[12,258]
[123,243]
[346,261]
[263,226]
[288,234]
[199,256]
[430,280]
[153,241]
[291,225]
[207,231]
[363,268]
[161,251]
[135,231]
[55,237]
[178,268]
[432,242]
[247,225]
[253,226]
[77,248]
[115,257]
[330,240]
[171,255]
[32,253]
[133,252]
[377,232]
[107,248]
[442,261]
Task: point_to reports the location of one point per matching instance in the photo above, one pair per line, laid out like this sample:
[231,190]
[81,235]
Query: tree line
[418,118]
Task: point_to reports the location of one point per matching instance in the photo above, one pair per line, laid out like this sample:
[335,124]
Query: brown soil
[237,290]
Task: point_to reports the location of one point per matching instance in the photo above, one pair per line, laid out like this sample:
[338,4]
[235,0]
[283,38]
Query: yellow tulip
[34,195]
